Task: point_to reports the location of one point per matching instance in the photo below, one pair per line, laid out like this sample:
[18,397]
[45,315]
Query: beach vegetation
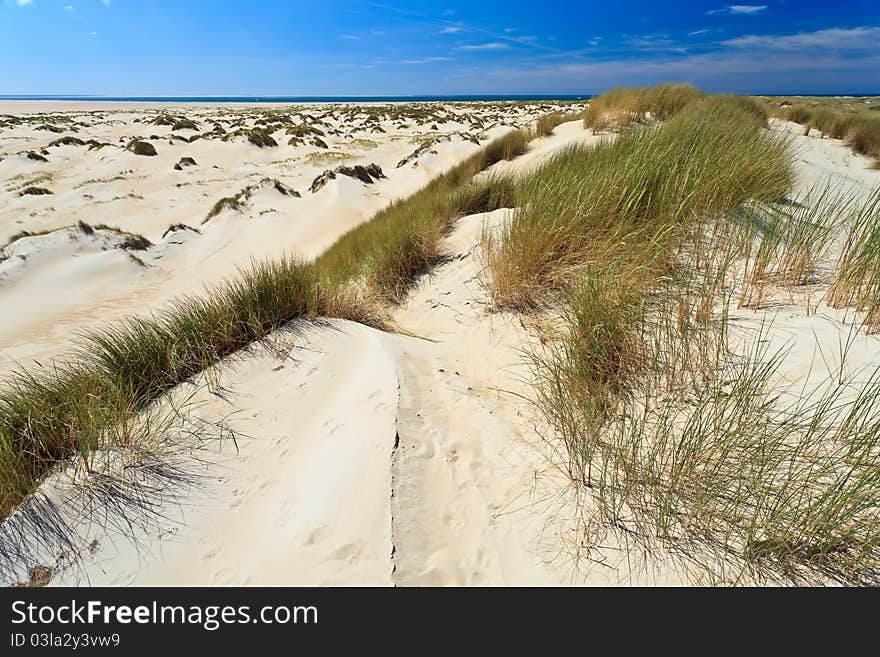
[144,148]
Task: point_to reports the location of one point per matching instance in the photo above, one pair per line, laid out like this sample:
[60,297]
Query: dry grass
[621,107]
[632,199]
[682,442]
[858,128]
[857,281]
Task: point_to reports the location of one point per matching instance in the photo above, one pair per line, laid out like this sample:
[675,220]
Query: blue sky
[277,47]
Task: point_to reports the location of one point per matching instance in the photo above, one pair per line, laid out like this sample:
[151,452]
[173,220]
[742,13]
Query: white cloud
[68,7]
[425,60]
[495,45]
[835,38]
[734,9]
[22,3]
[824,61]
[452,29]
[106,3]
[739,10]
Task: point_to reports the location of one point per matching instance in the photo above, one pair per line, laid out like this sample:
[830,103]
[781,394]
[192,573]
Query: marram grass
[682,442]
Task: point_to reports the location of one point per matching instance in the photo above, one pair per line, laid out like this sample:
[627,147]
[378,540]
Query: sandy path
[465,475]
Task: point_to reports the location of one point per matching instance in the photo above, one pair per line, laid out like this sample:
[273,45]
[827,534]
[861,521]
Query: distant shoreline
[299,99]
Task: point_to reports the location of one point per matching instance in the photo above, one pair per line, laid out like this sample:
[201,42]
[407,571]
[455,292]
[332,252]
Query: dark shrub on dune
[34,191]
[68,141]
[260,138]
[95,145]
[185,124]
[185,162]
[136,243]
[281,188]
[142,148]
[179,227]
[366,174]
[164,119]
[36,157]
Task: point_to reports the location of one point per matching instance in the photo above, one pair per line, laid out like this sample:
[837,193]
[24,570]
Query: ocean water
[302,99]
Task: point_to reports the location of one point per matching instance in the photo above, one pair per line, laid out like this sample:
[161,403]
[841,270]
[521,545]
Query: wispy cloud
[740,10]
[835,38]
[822,61]
[425,60]
[23,3]
[451,29]
[494,45]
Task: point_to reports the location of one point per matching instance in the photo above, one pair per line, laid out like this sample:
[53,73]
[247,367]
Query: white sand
[367,458]
[81,289]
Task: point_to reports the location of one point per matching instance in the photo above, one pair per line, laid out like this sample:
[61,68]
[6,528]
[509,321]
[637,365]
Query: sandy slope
[358,460]
[368,458]
[146,196]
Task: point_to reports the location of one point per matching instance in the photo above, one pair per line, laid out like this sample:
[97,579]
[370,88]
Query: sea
[307,99]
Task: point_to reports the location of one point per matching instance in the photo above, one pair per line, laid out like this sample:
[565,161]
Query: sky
[425,47]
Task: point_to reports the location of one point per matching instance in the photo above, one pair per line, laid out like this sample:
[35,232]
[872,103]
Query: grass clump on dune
[547,123]
[185,124]
[633,198]
[92,399]
[623,106]
[260,138]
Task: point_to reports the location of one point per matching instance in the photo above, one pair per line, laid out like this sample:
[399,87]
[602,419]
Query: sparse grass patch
[363,144]
[859,129]
[857,280]
[320,159]
[227,203]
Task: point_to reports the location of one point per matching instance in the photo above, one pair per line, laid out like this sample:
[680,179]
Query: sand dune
[146,195]
[333,453]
